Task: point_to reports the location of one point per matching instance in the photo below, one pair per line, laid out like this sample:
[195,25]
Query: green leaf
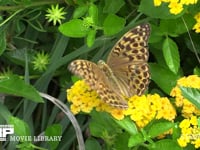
[166,144]
[192,94]
[74,78]
[194,44]
[164,78]
[135,140]
[197,71]
[4,112]
[102,122]
[198,121]
[80,11]
[128,125]
[113,6]
[171,55]
[74,28]
[93,13]
[92,144]
[51,131]
[113,24]
[122,141]
[15,86]
[25,146]
[162,12]
[167,26]
[176,131]
[2,42]
[91,37]
[156,35]
[159,127]
[21,128]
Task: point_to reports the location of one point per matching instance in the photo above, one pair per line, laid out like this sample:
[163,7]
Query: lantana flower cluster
[175,6]
[197,25]
[141,109]
[190,132]
[188,109]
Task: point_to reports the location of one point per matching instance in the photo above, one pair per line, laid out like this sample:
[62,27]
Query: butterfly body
[124,74]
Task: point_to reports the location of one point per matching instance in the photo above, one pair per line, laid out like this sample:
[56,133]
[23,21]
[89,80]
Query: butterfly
[124,74]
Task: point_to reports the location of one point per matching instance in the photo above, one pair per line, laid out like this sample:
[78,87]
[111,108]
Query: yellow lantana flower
[176,6]
[196,27]
[141,109]
[190,132]
[188,109]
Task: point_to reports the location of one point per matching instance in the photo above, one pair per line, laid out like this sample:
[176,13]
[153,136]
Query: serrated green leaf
[192,94]
[91,37]
[171,55]
[21,128]
[15,86]
[166,144]
[80,11]
[164,78]
[113,24]
[74,28]
[113,6]
[159,127]
[53,130]
[128,125]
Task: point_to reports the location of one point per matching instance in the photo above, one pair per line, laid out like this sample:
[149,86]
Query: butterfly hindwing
[97,81]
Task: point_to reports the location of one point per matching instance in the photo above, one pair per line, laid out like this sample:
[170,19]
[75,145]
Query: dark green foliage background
[26,32]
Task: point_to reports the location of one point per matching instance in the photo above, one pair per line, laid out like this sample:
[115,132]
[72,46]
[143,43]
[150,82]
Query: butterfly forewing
[98,81]
[128,61]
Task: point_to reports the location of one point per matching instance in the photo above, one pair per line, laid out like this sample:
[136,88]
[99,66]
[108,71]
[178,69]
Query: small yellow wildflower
[197,17]
[190,133]
[55,14]
[196,143]
[197,27]
[175,8]
[157,2]
[188,109]
[188,2]
[141,109]
[117,113]
[182,141]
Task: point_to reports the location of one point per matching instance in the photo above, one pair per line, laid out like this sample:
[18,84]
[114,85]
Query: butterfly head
[101,62]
